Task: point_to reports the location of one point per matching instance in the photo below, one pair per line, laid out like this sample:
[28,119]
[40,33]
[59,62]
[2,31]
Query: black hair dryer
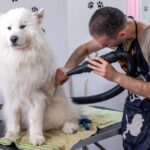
[111,57]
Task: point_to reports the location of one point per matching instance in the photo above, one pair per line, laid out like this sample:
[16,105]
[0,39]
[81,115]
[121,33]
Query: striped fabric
[57,140]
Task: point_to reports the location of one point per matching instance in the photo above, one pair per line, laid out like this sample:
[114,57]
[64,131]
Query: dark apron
[136,116]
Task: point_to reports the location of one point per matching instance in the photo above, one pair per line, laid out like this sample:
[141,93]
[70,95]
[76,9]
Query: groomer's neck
[131,28]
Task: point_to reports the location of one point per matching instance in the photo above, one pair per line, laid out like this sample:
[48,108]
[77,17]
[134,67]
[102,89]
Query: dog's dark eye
[9,28]
[22,26]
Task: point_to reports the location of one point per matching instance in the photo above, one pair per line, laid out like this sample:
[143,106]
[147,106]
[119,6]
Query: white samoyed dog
[27,68]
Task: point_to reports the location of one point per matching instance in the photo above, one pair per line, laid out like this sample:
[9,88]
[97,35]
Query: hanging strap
[136,30]
[120,48]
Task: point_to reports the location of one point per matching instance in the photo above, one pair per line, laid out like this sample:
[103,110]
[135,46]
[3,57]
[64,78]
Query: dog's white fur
[27,70]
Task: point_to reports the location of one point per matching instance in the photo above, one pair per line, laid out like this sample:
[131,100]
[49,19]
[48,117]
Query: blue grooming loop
[85,122]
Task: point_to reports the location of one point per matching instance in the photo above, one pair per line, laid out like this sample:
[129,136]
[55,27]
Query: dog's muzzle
[14,39]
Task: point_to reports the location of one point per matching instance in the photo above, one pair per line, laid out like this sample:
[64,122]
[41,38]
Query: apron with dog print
[136,116]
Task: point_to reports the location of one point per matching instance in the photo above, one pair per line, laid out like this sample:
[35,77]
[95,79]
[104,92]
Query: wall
[54,23]
[66,27]
[133,8]
[79,13]
[145,10]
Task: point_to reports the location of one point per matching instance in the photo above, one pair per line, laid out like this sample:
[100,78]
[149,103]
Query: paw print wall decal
[14,1]
[34,9]
[100,4]
[43,30]
[145,8]
[90,5]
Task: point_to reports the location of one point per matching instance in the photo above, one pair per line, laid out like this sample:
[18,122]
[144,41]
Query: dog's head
[18,27]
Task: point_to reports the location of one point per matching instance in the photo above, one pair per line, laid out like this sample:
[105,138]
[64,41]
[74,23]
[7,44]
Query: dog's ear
[39,15]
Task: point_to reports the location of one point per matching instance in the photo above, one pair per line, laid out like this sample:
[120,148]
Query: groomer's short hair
[107,21]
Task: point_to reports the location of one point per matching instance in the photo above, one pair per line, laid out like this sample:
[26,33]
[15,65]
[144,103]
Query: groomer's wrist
[118,77]
[68,67]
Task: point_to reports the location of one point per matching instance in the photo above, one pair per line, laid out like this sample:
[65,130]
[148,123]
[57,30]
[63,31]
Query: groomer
[109,27]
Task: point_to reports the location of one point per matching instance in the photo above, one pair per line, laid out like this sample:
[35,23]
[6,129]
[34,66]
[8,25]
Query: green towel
[57,140]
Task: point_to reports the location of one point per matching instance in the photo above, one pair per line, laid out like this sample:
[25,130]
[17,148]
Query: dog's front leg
[36,114]
[11,111]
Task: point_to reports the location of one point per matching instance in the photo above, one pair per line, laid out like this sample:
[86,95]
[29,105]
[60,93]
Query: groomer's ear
[122,34]
[39,15]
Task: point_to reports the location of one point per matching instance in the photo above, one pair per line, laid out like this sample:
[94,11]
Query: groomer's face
[106,41]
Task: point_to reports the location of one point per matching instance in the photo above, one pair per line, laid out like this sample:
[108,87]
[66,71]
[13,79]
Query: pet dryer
[111,57]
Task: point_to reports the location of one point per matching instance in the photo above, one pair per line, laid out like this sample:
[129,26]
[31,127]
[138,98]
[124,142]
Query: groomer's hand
[60,76]
[103,68]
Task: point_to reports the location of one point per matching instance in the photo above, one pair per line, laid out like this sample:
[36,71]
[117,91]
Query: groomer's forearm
[82,52]
[77,57]
[139,87]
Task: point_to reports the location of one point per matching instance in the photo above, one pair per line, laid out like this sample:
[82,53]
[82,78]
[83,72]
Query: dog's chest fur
[23,72]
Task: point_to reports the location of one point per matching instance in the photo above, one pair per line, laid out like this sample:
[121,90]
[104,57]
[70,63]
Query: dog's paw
[11,135]
[37,139]
[70,127]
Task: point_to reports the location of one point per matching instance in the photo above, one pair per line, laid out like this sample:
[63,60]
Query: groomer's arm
[81,53]
[106,70]
[76,58]
[139,87]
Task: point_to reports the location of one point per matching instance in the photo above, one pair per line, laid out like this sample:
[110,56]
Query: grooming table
[101,134]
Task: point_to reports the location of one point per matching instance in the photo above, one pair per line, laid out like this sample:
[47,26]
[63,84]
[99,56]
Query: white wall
[145,10]
[78,18]
[66,25]
[88,84]
[55,23]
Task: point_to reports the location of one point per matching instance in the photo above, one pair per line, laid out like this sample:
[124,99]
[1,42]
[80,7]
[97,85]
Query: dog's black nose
[14,39]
